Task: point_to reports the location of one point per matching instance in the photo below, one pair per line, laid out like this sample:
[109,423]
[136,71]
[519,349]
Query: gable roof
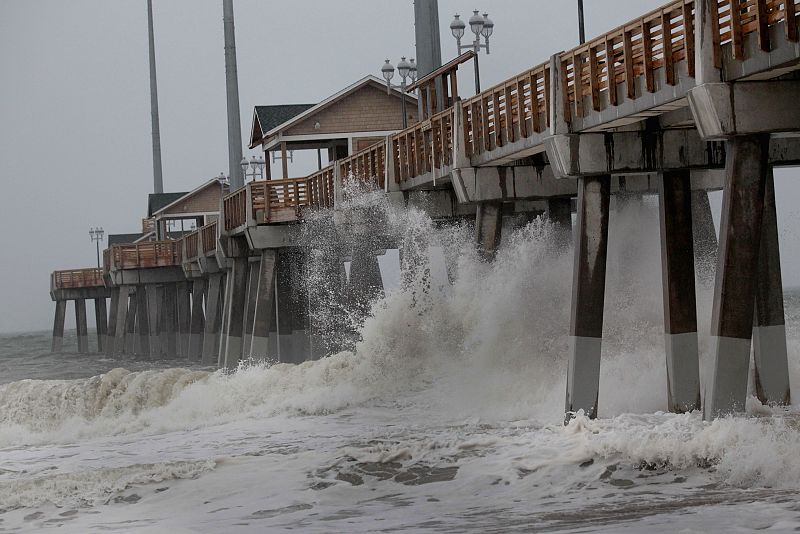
[156,201]
[183,196]
[263,131]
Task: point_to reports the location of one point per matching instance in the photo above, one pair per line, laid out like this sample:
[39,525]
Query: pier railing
[420,148]
[208,238]
[321,188]
[366,164]
[521,107]
[146,255]
[191,245]
[77,278]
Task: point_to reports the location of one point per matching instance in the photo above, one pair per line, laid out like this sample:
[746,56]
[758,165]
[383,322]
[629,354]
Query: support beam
[153,299]
[588,294]
[680,307]
[488,228]
[199,286]
[234,304]
[100,319]
[183,296]
[264,304]
[123,294]
[735,287]
[213,319]
[58,326]
[769,330]
[80,325]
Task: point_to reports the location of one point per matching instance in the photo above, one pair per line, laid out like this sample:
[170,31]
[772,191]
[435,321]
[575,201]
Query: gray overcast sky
[74,104]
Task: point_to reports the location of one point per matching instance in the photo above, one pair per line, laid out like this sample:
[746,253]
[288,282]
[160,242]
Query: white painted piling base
[683,378]
[727,392]
[769,349]
[583,376]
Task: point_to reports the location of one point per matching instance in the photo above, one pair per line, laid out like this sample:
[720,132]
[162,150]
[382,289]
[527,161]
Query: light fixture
[407,69]
[481,26]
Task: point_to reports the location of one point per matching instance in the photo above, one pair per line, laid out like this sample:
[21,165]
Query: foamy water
[445,416]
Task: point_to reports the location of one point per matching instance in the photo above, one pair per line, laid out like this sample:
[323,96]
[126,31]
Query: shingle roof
[122,239]
[156,201]
[271,116]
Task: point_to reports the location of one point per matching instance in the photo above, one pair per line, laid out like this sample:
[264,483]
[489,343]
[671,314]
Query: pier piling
[588,294]
[680,308]
[58,326]
[80,325]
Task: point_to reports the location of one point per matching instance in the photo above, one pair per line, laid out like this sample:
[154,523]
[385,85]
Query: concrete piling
[143,321]
[171,320]
[705,238]
[735,287]
[559,211]
[184,315]
[100,315]
[80,325]
[58,326]
[264,310]
[588,294]
[199,286]
[250,306]
[488,228]
[121,315]
[130,326]
[213,319]
[680,311]
[769,330]
[234,310]
[112,321]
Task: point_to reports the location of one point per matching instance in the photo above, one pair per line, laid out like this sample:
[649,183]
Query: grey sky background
[74,104]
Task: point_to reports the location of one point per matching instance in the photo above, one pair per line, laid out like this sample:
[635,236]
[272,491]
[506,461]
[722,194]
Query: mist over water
[441,409]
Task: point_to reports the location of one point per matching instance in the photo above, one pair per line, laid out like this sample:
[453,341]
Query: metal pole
[232,90]
[581,30]
[477,69]
[403,100]
[158,181]
[97,245]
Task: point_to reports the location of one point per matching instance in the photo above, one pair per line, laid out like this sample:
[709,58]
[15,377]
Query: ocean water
[446,415]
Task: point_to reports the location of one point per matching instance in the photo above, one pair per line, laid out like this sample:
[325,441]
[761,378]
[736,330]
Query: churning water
[446,415]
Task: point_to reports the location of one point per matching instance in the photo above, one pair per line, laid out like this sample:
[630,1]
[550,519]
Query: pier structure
[78,286]
[696,96]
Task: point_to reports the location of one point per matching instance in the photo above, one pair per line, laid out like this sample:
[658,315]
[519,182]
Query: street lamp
[480,26]
[253,169]
[96,235]
[407,70]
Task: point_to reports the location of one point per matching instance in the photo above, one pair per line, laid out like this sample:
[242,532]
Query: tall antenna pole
[232,89]
[429,48]
[581,30]
[158,180]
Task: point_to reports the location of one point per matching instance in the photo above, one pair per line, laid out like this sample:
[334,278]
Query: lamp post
[406,70]
[253,169]
[480,26]
[96,235]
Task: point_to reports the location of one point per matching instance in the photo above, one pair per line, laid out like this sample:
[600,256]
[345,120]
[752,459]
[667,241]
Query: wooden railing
[754,16]
[77,278]
[276,201]
[208,238]
[106,260]
[510,111]
[423,147]
[235,209]
[190,245]
[321,188]
[146,255]
[366,165]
